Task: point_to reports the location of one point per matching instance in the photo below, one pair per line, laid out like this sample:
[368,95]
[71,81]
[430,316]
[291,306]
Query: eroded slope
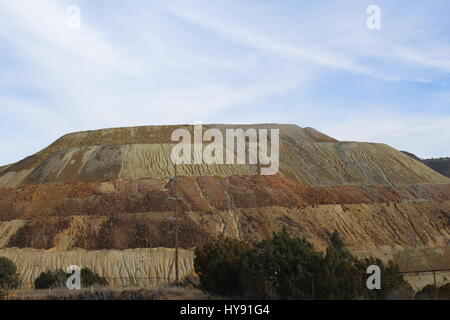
[107,192]
[306,155]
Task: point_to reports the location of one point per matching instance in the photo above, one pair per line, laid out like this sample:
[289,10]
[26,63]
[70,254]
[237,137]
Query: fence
[263,288]
[433,271]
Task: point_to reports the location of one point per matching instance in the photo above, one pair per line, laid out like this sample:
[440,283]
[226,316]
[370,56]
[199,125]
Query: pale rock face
[14,178]
[8,229]
[121,268]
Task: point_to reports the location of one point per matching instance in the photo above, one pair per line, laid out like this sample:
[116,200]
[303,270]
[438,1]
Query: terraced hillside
[101,199]
[306,156]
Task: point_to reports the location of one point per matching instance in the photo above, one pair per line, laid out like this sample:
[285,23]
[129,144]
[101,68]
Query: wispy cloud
[259,41]
[160,62]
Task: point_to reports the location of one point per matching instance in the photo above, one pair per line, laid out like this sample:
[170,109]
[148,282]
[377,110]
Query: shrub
[340,277]
[393,284]
[9,278]
[283,265]
[90,278]
[429,293]
[217,264]
[51,279]
[58,279]
[444,291]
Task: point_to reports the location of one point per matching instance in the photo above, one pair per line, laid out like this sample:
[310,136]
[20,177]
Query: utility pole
[434,276]
[175,199]
[176,228]
[258,161]
[435,285]
[258,167]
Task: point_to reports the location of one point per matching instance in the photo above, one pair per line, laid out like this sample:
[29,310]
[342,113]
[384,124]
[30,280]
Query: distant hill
[412,155]
[441,165]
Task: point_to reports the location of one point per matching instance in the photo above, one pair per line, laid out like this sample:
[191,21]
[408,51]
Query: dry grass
[158,292]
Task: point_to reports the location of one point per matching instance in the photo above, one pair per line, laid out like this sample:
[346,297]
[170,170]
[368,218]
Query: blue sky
[311,63]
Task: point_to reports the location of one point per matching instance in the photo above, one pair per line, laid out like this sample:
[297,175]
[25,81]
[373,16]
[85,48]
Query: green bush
[58,279]
[51,279]
[339,277]
[217,264]
[280,268]
[9,278]
[393,284]
[285,267]
[429,293]
[89,278]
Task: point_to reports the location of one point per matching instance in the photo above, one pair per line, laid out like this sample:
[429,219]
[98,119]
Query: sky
[311,63]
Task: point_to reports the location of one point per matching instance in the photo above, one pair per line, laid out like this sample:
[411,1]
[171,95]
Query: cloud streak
[163,62]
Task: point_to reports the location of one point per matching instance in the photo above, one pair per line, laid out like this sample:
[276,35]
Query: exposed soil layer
[107,191]
[305,155]
[203,194]
[121,268]
[363,226]
[136,214]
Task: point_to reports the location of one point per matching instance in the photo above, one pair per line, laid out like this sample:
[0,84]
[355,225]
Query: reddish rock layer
[203,194]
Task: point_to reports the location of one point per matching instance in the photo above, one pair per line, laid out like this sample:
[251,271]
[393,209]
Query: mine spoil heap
[101,199]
